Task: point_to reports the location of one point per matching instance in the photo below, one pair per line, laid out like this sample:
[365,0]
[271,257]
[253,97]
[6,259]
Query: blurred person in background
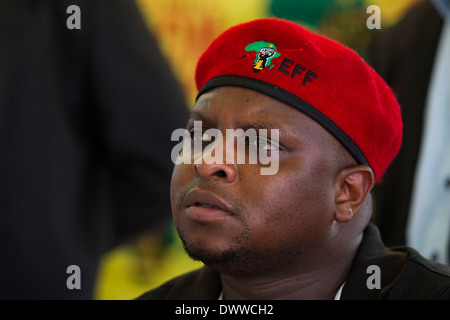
[86,117]
[412,206]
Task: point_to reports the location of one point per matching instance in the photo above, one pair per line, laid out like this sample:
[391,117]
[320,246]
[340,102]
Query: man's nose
[226,172]
[225,169]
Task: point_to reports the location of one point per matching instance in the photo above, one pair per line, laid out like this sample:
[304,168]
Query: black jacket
[405,275]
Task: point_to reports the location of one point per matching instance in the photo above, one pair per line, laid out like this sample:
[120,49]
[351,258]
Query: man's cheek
[179,175]
[178,183]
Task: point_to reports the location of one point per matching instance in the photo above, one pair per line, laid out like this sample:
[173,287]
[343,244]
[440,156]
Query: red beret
[320,77]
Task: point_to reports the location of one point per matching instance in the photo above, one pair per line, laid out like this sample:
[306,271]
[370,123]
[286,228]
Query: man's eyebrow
[196,115]
[261,125]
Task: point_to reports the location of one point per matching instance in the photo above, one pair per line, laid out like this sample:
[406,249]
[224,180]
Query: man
[303,232]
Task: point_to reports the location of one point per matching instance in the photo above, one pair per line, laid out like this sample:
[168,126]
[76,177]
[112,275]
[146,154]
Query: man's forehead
[245,105]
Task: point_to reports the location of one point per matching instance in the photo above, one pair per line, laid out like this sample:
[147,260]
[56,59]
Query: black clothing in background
[86,118]
[404,56]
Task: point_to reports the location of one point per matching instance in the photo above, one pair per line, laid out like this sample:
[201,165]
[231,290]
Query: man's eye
[196,135]
[207,138]
[265,144]
[201,137]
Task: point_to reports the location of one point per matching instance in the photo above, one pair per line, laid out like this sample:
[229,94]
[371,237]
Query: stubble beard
[232,261]
[239,261]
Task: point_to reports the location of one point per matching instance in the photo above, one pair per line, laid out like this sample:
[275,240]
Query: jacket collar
[372,252]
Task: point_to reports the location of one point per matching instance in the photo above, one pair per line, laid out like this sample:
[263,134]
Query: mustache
[236,204]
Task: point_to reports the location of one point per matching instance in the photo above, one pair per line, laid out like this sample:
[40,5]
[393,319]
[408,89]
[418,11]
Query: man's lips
[204,206]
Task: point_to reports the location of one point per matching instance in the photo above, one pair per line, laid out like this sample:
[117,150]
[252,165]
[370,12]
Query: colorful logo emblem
[266,51]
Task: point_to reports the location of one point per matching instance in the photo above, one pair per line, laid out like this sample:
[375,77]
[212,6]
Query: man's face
[240,222]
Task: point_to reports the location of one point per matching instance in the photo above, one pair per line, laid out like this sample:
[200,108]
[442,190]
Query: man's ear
[352,186]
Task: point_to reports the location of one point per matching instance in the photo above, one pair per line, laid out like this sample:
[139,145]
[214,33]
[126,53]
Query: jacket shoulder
[422,279]
[200,284]
[158,293]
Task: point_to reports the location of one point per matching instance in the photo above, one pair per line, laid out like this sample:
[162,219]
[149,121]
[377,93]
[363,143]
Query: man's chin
[223,261]
[208,256]
[232,262]
[219,255]
[230,257]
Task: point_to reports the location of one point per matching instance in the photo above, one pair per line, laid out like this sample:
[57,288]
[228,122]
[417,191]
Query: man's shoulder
[200,284]
[430,266]
[421,278]
[399,273]
[159,293]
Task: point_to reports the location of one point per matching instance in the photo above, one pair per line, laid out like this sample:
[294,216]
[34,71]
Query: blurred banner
[184,29]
